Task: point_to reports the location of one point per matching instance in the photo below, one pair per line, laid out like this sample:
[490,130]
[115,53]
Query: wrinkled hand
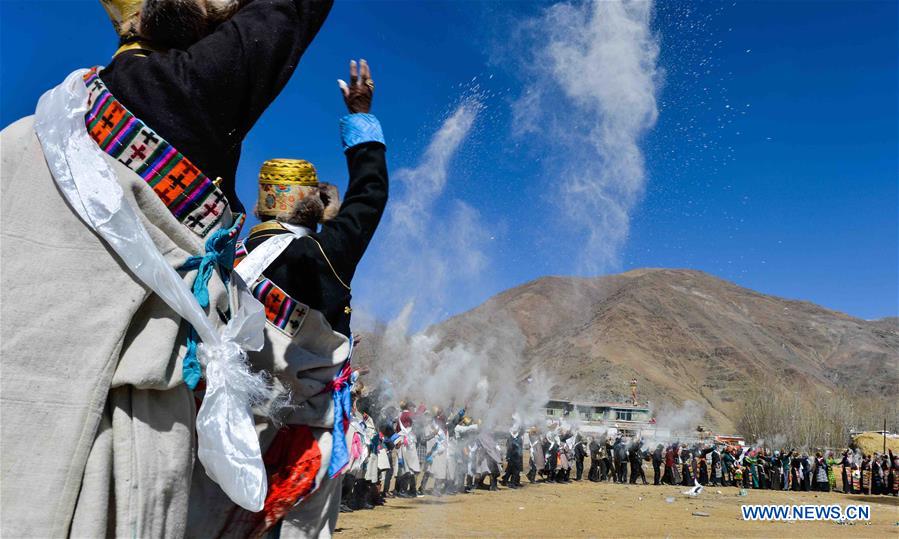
[358,94]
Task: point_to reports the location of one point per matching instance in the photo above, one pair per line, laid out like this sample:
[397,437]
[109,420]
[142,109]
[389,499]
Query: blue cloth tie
[219,255]
[190,368]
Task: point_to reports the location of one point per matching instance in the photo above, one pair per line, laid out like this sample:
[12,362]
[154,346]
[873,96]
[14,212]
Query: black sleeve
[345,237]
[239,69]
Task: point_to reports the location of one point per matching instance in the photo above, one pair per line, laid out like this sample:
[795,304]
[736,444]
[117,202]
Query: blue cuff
[359,128]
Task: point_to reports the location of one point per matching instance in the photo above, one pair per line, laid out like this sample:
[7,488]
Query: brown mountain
[684,335]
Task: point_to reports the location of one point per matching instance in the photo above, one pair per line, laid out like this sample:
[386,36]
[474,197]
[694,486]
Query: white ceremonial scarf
[260,258]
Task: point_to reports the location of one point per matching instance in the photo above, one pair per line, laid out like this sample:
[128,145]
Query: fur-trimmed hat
[283,183]
[289,191]
[123,14]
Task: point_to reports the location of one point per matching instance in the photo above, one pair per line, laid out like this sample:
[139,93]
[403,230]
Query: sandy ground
[585,509]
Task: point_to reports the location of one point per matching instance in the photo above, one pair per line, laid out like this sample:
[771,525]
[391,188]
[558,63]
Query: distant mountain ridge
[685,335]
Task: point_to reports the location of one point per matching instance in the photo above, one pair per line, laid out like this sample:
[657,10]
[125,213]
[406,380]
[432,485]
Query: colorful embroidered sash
[281,310]
[191,197]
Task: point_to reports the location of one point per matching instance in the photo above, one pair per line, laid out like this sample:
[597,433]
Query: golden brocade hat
[283,183]
[288,172]
[123,14]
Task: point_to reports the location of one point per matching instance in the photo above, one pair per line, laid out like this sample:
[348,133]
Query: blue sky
[772,162]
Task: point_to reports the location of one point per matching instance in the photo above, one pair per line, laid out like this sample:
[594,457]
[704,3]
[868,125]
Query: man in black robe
[620,456]
[635,458]
[580,453]
[846,473]
[593,474]
[607,464]
[319,244]
[551,450]
[657,459]
[201,84]
[876,475]
[686,467]
[514,447]
[317,270]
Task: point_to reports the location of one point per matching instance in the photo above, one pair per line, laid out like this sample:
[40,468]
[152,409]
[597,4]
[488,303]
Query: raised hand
[358,94]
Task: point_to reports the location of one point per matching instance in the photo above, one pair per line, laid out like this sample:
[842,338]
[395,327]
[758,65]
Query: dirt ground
[585,509]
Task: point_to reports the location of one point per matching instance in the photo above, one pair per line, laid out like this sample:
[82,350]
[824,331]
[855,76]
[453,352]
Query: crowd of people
[408,451]
[764,468]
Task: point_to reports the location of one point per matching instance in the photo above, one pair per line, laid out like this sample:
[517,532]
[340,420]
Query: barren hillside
[685,335]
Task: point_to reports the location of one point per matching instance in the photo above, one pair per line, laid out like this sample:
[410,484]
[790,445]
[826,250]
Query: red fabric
[342,378]
[292,462]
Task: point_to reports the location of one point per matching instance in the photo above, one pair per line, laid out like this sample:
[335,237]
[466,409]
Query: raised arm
[239,69]
[347,235]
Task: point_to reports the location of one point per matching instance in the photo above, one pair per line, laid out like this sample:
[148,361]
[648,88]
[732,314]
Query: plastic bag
[227,442]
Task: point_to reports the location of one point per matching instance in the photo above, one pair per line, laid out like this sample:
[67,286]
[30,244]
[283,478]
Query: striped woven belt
[191,197]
